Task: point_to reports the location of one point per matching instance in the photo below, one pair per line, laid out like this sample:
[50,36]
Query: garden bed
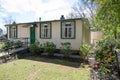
[21,55]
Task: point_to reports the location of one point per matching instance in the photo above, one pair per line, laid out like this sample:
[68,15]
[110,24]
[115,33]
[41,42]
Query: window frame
[41,31]
[15,30]
[74,26]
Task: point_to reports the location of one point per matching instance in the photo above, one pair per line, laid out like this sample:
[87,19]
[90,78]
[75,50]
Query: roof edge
[45,21]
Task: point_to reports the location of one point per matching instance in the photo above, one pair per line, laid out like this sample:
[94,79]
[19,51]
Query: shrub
[1,47]
[66,49]
[49,47]
[18,44]
[104,52]
[7,45]
[85,50]
[14,56]
[10,45]
[34,48]
[4,57]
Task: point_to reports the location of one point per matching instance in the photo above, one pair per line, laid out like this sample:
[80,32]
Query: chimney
[14,22]
[62,17]
[39,18]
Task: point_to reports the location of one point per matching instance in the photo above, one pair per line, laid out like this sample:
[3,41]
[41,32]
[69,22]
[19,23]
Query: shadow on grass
[71,62]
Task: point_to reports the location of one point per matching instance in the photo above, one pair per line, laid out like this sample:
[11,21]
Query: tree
[84,9]
[107,17]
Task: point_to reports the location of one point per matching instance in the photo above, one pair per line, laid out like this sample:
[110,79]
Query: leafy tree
[107,17]
[102,14]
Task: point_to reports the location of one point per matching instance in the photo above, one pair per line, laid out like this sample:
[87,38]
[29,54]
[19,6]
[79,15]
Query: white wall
[56,35]
[95,36]
[23,31]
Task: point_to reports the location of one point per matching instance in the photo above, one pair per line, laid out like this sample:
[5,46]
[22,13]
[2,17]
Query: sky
[30,10]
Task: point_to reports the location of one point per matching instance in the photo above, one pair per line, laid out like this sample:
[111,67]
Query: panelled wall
[74,33]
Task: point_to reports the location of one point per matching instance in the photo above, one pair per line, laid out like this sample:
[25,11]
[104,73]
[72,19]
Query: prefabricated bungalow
[74,31]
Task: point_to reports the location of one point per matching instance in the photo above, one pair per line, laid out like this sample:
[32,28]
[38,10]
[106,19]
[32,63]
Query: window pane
[70,32]
[66,32]
[68,29]
[45,30]
[13,32]
[46,33]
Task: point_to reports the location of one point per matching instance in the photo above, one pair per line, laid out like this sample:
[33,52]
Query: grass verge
[35,68]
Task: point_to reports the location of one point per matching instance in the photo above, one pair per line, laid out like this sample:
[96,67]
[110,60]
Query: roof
[45,21]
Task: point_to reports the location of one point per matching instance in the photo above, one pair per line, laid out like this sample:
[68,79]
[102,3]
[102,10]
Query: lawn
[35,68]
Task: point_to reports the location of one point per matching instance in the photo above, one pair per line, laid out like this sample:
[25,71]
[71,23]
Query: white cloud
[17,5]
[46,9]
[50,8]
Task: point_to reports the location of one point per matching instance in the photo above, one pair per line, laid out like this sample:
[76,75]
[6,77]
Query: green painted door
[32,35]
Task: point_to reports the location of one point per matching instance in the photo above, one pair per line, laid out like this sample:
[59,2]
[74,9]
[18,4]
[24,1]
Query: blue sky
[30,10]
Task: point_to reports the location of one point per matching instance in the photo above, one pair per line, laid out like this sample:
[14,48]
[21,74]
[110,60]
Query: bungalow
[74,31]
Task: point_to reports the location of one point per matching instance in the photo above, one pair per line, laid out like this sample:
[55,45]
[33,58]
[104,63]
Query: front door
[32,35]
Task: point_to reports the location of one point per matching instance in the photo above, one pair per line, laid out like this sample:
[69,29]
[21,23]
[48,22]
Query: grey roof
[45,21]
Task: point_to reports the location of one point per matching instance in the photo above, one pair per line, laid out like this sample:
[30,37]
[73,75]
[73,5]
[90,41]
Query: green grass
[34,68]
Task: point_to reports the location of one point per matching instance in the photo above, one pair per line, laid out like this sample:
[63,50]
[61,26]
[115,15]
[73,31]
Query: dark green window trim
[74,29]
[15,32]
[9,31]
[50,30]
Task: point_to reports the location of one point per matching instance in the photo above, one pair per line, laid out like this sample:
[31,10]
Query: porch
[8,47]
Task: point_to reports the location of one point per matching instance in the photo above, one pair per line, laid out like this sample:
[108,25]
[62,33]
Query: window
[13,32]
[68,30]
[45,30]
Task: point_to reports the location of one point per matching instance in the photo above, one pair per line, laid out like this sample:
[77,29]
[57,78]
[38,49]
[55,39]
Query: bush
[105,50]
[18,44]
[66,49]
[34,48]
[49,47]
[10,45]
[1,47]
[85,50]
[5,56]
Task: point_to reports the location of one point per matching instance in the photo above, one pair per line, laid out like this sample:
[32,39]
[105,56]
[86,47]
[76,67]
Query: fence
[26,41]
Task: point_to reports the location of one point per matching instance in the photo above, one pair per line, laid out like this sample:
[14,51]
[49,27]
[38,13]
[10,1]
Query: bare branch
[85,9]
[8,20]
